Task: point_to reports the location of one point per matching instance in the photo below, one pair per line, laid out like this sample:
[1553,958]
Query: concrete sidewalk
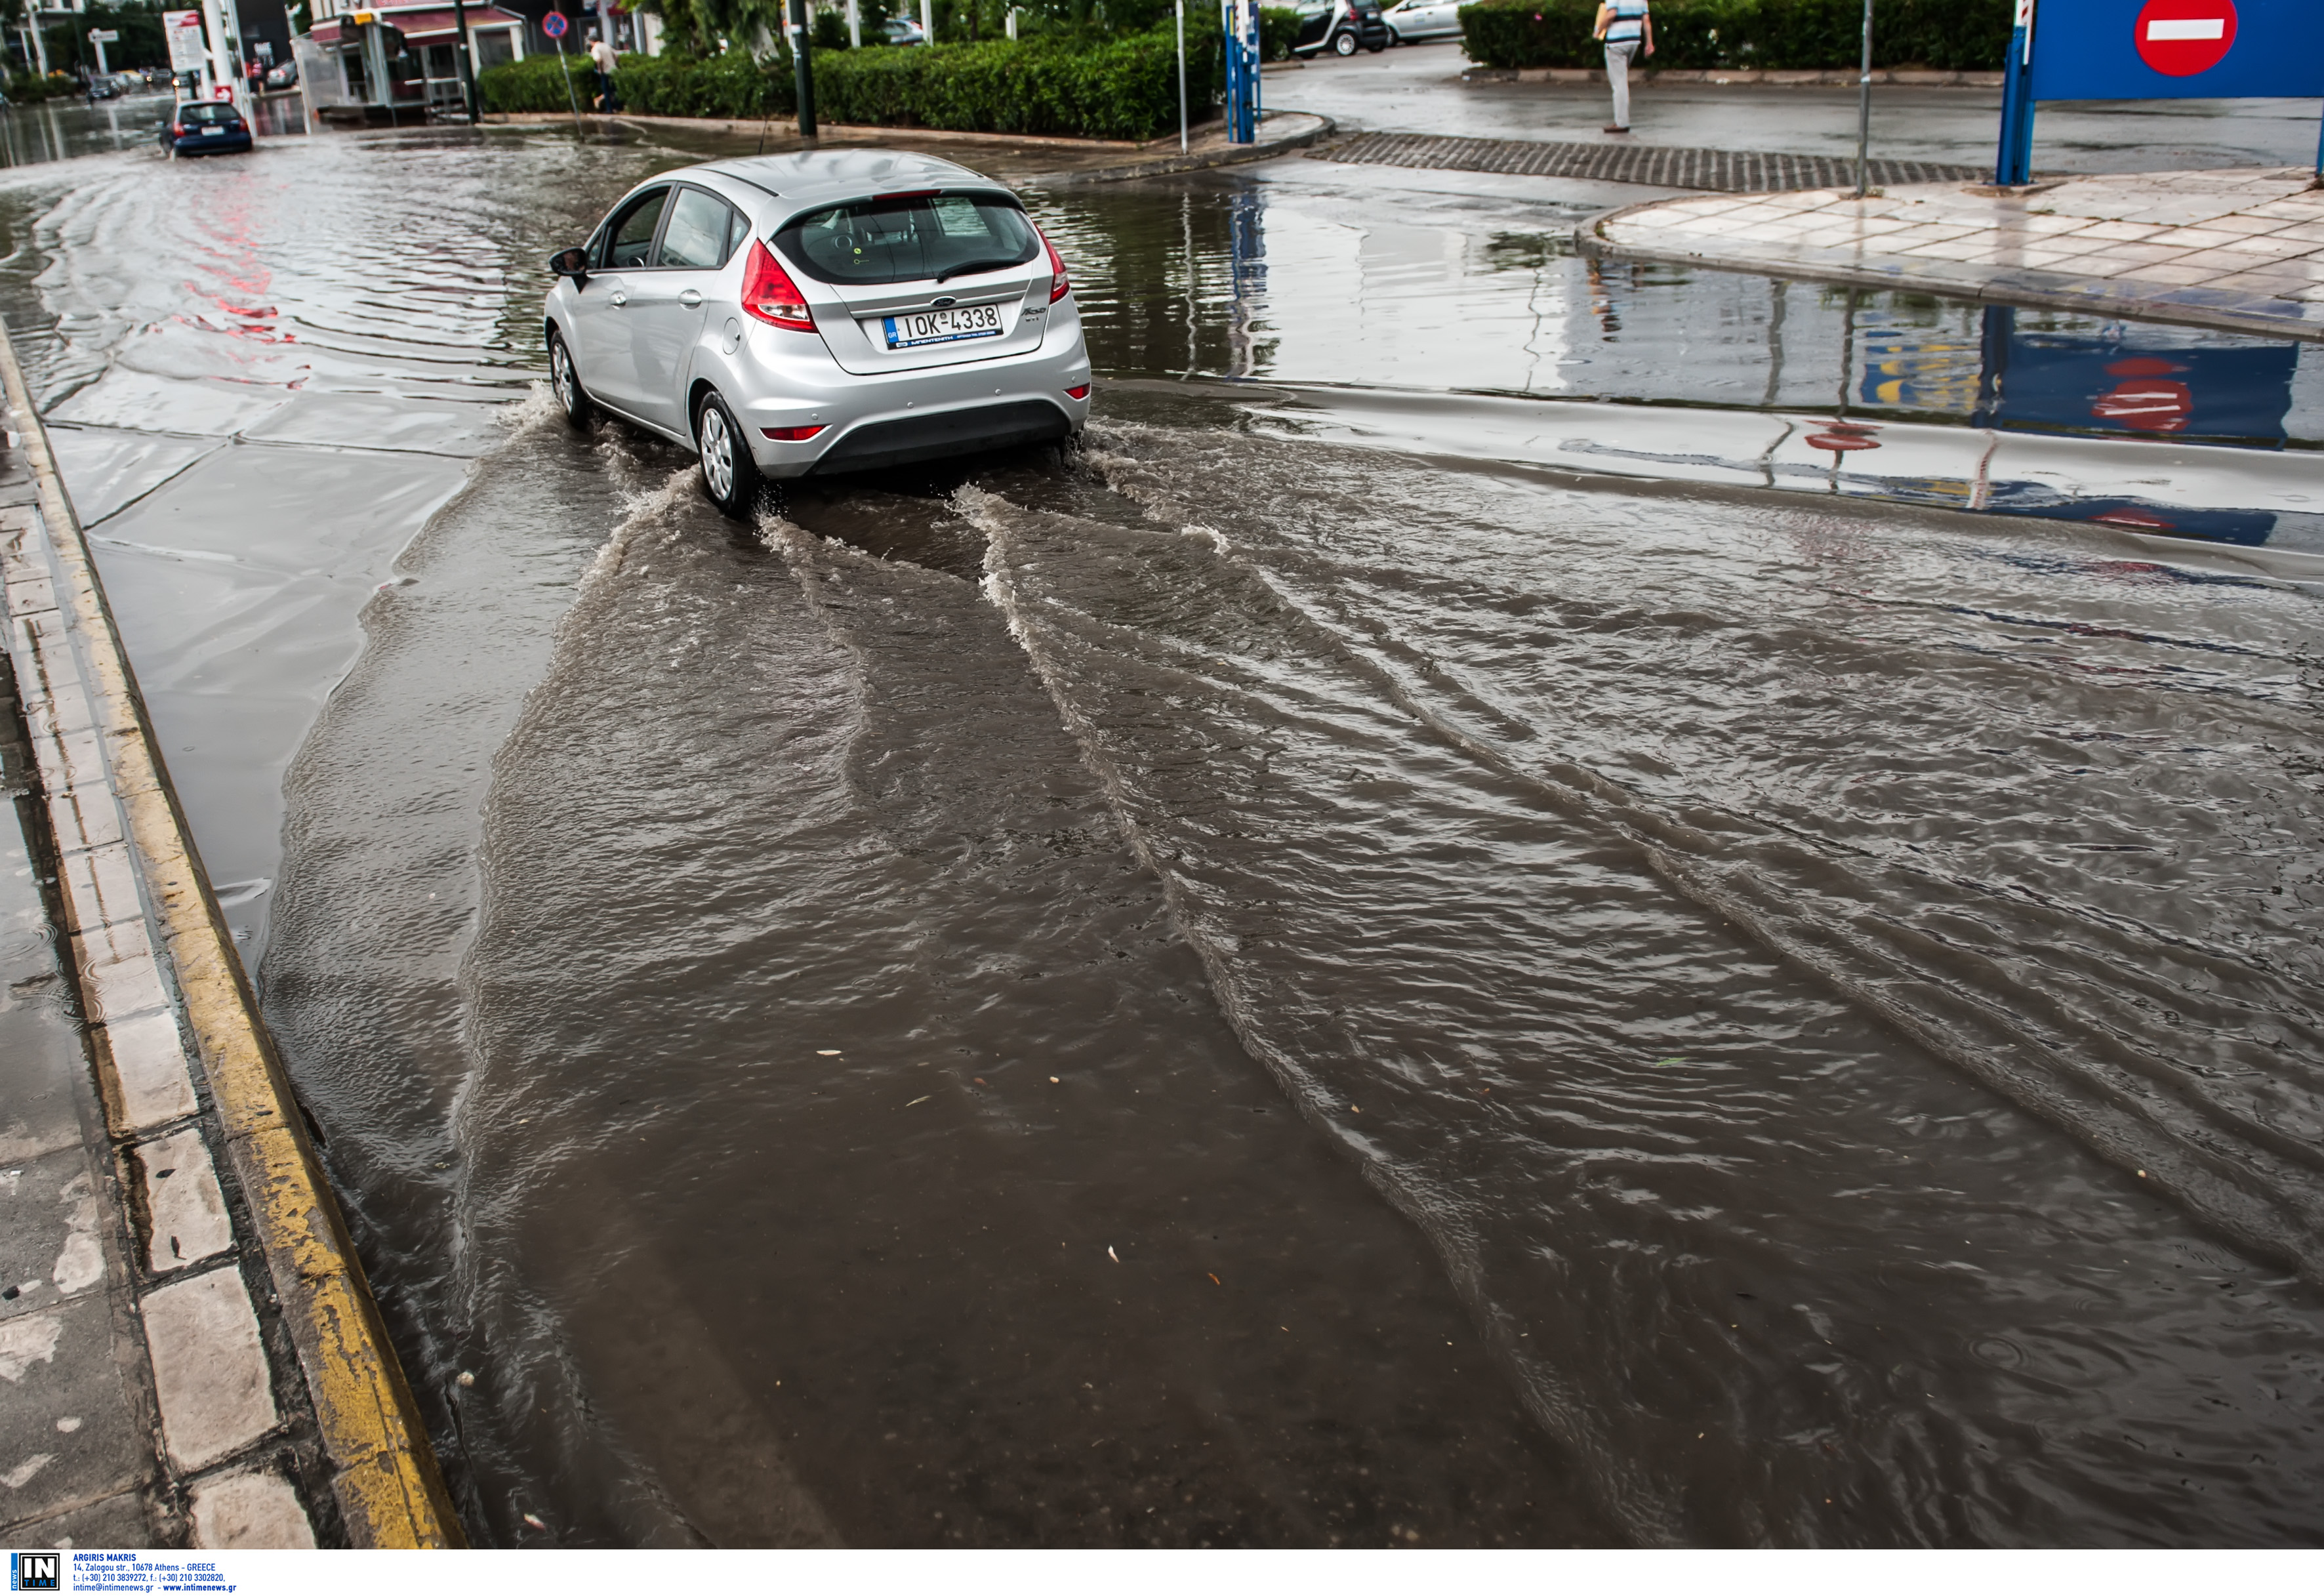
[188,1354]
[2237,250]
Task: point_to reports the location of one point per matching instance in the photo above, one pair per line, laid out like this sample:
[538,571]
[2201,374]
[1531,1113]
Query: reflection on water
[62,130]
[1397,951]
[1242,278]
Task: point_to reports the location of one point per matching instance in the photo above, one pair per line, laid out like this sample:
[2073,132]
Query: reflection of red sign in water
[2137,520]
[1840,436]
[2180,38]
[2146,399]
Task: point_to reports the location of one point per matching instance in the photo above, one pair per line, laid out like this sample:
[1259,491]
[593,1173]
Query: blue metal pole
[2013,165]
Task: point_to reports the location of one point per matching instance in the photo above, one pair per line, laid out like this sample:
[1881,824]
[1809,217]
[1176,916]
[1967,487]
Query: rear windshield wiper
[978,266]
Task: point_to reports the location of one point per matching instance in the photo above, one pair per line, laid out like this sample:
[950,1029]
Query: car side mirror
[571,263]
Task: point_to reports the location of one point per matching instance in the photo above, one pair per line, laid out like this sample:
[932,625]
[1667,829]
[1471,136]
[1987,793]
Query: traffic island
[2239,250]
[190,1353]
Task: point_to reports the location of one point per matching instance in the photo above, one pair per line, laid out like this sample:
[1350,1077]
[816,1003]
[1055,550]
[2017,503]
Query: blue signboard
[2137,50]
[2152,50]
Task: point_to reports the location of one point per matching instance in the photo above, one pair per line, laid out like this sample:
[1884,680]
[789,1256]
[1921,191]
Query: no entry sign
[2180,38]
[2140,50]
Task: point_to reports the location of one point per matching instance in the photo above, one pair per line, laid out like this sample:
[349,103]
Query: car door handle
[620,298]
[690,298]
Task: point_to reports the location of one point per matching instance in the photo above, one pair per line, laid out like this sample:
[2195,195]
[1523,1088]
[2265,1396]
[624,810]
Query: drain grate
[1720,172]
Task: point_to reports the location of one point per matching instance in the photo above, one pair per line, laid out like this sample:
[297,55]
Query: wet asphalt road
[1396,951]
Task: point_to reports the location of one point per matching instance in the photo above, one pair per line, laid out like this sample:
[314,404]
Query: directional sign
[104,36]
[554,24]
[2139,49]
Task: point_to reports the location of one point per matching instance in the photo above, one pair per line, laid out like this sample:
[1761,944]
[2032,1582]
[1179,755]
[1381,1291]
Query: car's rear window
[909,240]
[207,111]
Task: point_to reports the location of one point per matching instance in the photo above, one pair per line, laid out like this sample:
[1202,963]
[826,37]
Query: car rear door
[605,335]
[669,303]
[903,283]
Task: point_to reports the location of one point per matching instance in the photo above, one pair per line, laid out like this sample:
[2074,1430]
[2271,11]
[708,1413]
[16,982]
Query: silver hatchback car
[828,312]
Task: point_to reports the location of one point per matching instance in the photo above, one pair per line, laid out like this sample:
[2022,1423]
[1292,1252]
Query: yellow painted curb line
[384,1472]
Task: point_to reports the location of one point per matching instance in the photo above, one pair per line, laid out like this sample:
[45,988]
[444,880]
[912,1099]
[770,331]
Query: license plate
[211,133]
[942,327]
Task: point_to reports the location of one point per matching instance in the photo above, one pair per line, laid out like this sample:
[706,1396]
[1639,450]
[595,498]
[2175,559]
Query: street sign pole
[802,70]
[1863,104]
[2013,167]
[1179,6]
[554,24]
[468,67]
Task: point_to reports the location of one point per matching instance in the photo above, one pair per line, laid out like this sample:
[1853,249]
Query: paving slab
[74,1431]
[2241,250]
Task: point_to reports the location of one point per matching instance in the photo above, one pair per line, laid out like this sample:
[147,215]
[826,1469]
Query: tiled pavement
[2236,249]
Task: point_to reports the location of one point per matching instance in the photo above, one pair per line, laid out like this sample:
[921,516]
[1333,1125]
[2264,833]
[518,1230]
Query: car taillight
[770,294]
[1058,286]
[790,434]
[1080,393]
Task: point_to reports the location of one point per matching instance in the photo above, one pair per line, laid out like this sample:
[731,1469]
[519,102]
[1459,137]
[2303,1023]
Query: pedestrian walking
[1628,31]
[601,55]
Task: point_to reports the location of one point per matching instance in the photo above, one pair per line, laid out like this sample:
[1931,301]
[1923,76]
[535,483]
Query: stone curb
[837,130]
[1741,75]
[1304,128]
[2048,290]
[127,865]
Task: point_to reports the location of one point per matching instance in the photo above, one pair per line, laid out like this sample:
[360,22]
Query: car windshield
[207,111]
[909,239]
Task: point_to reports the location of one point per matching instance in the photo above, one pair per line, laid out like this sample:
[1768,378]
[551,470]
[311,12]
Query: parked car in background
[102,88]
[903,30]
[205,127]
[1339,26]
[1415,22]
[285,76]
[834,310]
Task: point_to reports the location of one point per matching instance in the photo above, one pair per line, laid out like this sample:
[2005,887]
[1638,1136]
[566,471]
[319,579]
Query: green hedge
[1127,89]
[1279,30]
[1781,35]
[27,88]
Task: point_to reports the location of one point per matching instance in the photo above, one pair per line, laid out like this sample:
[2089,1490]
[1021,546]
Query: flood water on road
[1395,951]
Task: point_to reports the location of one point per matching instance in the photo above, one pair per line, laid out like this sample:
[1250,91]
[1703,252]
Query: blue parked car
[205,127]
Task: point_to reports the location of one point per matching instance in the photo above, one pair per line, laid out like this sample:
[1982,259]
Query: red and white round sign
[2146,399]
[2180,38]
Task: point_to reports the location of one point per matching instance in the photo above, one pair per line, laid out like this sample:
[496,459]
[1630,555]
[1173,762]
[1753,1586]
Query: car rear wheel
[565,382]
[729,475]
[1344,45]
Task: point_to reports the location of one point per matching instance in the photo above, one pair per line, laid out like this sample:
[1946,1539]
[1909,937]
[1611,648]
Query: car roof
[814,178]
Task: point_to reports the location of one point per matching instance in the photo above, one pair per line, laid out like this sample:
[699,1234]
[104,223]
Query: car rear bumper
[904,440]
[230,143]
[787,380]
